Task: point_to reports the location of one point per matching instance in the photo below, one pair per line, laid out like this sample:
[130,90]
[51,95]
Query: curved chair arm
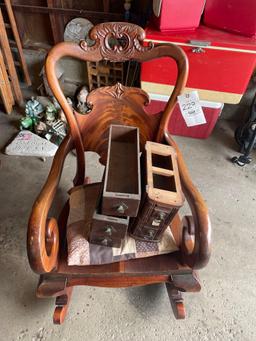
[43,233]
[197,231]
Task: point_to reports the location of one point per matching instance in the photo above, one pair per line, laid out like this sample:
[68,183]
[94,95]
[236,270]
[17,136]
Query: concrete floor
[223,310]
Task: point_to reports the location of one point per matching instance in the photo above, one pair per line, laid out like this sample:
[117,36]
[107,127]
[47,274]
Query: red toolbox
[232,15]
[177,125]
[220,64]
[173,15]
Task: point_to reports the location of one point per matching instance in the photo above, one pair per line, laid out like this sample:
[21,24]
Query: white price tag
[191,109]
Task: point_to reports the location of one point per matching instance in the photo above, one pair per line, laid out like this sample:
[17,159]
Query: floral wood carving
[117,41]
[118,91]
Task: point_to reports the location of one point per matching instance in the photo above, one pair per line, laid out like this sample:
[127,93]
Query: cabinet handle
[108,230]
[121,208]
[198,50]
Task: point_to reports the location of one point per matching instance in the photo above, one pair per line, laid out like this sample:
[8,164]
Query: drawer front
[152,224]
[157,219]
[106,241]
[145,233]
[121,207]
[109,228]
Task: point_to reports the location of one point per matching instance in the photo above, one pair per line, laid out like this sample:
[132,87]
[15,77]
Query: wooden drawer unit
[122,189]
[163,196]
[108,231]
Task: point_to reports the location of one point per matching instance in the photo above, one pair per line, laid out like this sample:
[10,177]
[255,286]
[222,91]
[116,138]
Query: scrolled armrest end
[43,244]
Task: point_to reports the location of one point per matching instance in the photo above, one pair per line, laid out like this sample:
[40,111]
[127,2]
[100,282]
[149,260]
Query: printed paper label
[191,109]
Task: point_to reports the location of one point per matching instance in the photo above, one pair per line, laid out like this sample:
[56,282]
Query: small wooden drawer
[106,241]
[146,233]
[108,230]
[122,188]
[163,195]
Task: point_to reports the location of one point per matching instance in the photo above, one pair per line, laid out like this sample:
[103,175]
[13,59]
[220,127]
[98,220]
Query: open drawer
[122,189]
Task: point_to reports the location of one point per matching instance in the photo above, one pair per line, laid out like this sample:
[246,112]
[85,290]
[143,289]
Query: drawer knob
[162,215]
[121,208]
[156,222]
[104,242]
[109,230]
[149,234]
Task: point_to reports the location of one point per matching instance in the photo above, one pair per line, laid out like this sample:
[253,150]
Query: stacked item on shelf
[238,16]
[173,15]
[221,59]
[138,197]
[126,180]
[121,193]
[220,68]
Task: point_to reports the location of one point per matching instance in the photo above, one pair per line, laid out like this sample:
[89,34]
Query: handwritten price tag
[191,109]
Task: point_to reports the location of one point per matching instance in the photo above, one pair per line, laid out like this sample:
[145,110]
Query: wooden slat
[106,6]
[91,15]
[18,41]
[57,23]
[162,171]
[9,62]
[5,87]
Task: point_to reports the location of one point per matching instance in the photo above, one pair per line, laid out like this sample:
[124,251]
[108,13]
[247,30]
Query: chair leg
[176,300]
[62,303]
[52,286]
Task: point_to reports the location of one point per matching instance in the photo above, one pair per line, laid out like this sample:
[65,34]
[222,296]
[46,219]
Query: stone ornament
[78,29]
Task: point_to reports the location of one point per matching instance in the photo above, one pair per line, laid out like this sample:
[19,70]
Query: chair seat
[81,252]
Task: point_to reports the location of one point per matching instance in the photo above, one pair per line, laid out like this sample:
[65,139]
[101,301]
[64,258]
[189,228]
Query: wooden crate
[163,195]
[104,73]
[122,186]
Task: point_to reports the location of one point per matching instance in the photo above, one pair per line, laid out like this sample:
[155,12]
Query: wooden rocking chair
[46,242]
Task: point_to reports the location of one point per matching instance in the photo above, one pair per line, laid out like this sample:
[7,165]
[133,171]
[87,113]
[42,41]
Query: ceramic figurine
[26,123]
[34,109]
[56,132]
[40,128]
[82,106]
[50,113]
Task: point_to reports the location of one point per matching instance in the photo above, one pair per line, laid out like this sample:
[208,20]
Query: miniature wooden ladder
[10,66]
[17,42]
[5,87]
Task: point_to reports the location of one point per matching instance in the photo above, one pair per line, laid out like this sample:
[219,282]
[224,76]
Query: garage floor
[223,310]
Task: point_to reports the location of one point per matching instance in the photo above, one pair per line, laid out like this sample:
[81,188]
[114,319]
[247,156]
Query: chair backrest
[115,42]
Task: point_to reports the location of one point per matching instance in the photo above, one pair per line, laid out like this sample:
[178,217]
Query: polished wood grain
[47,250]
[200,234]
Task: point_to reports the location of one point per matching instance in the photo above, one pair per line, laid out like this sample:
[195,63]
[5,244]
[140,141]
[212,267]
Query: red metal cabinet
[173,15]
[177,125]
[220,64]
[237,16]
